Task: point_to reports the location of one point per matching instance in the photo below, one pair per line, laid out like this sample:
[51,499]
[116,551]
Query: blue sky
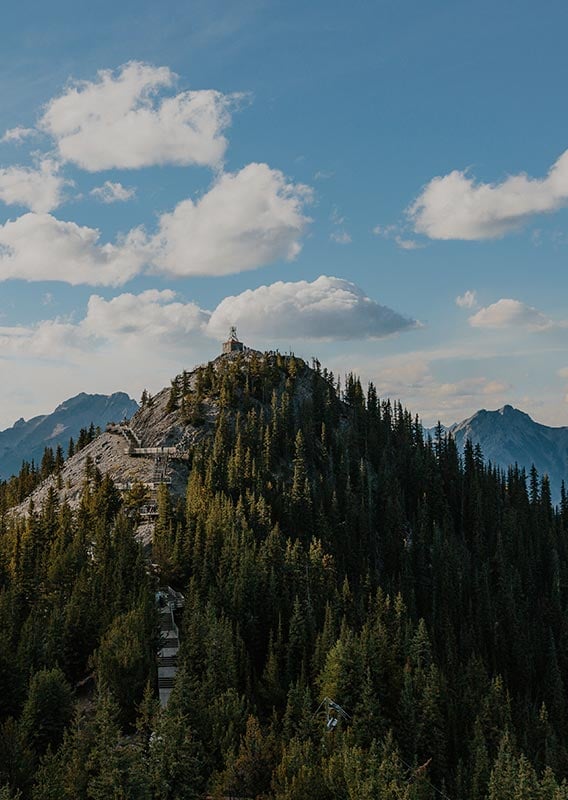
[329,177]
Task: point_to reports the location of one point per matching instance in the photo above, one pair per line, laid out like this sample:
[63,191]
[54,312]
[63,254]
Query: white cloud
[134,341]
[387,231]
[340,237]
[454,206]
[123,344]
[327,308]
[148,320]
[111,192]
[40,189]
[118,121]
[419,380]
[247,219]
[407,244]
[396,233]
[471,387]
[508,313]
[467,300]
[49,339]
[40,247]
[17,135]
[152,315]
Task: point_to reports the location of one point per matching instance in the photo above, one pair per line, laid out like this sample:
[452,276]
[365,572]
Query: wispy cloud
[111,192]
[467,300]
[17,135]
[339,234]
[397,234]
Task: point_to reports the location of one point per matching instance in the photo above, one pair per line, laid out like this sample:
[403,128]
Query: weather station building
[232,345]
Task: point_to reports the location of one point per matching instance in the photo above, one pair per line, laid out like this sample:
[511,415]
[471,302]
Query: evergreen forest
[369,614]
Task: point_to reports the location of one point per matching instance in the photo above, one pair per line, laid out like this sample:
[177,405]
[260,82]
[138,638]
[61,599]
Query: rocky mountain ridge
[27,439]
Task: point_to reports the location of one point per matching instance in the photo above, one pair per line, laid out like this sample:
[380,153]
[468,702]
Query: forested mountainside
[325,549]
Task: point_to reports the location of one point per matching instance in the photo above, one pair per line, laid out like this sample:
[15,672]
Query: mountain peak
[510,436]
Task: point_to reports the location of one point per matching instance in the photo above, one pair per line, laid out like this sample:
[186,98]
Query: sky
[381,185]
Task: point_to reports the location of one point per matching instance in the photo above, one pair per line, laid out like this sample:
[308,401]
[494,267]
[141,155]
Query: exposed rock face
[510,436]
[26,440]
[154,427]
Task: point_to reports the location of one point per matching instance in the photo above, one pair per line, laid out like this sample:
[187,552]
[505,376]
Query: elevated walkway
[168,601]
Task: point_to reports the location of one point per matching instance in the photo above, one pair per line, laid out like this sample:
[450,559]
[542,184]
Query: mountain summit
[508,436]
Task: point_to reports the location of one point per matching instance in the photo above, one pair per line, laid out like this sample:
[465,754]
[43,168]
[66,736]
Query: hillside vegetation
[325,549]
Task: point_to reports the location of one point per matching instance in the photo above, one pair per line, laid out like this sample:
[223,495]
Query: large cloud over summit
[327,308]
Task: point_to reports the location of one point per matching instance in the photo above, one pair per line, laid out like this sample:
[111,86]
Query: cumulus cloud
[455,206]
[327,308]
[49,339]
[120,121]
[40,247]
[111,192]
[39,189]
[508,313]
[124,342]
[17,135]
[467,300]
[153,314]
[247,219]
[152,318]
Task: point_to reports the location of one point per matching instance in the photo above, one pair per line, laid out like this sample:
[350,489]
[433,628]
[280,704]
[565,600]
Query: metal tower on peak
[232,345]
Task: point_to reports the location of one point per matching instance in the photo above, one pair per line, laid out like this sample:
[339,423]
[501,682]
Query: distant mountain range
[27,439]
[510,436]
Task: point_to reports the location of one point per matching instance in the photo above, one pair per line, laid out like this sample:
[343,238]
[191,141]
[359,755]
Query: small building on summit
[232,345]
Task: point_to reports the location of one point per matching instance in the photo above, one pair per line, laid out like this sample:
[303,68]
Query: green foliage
[325,548]
[47,711]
